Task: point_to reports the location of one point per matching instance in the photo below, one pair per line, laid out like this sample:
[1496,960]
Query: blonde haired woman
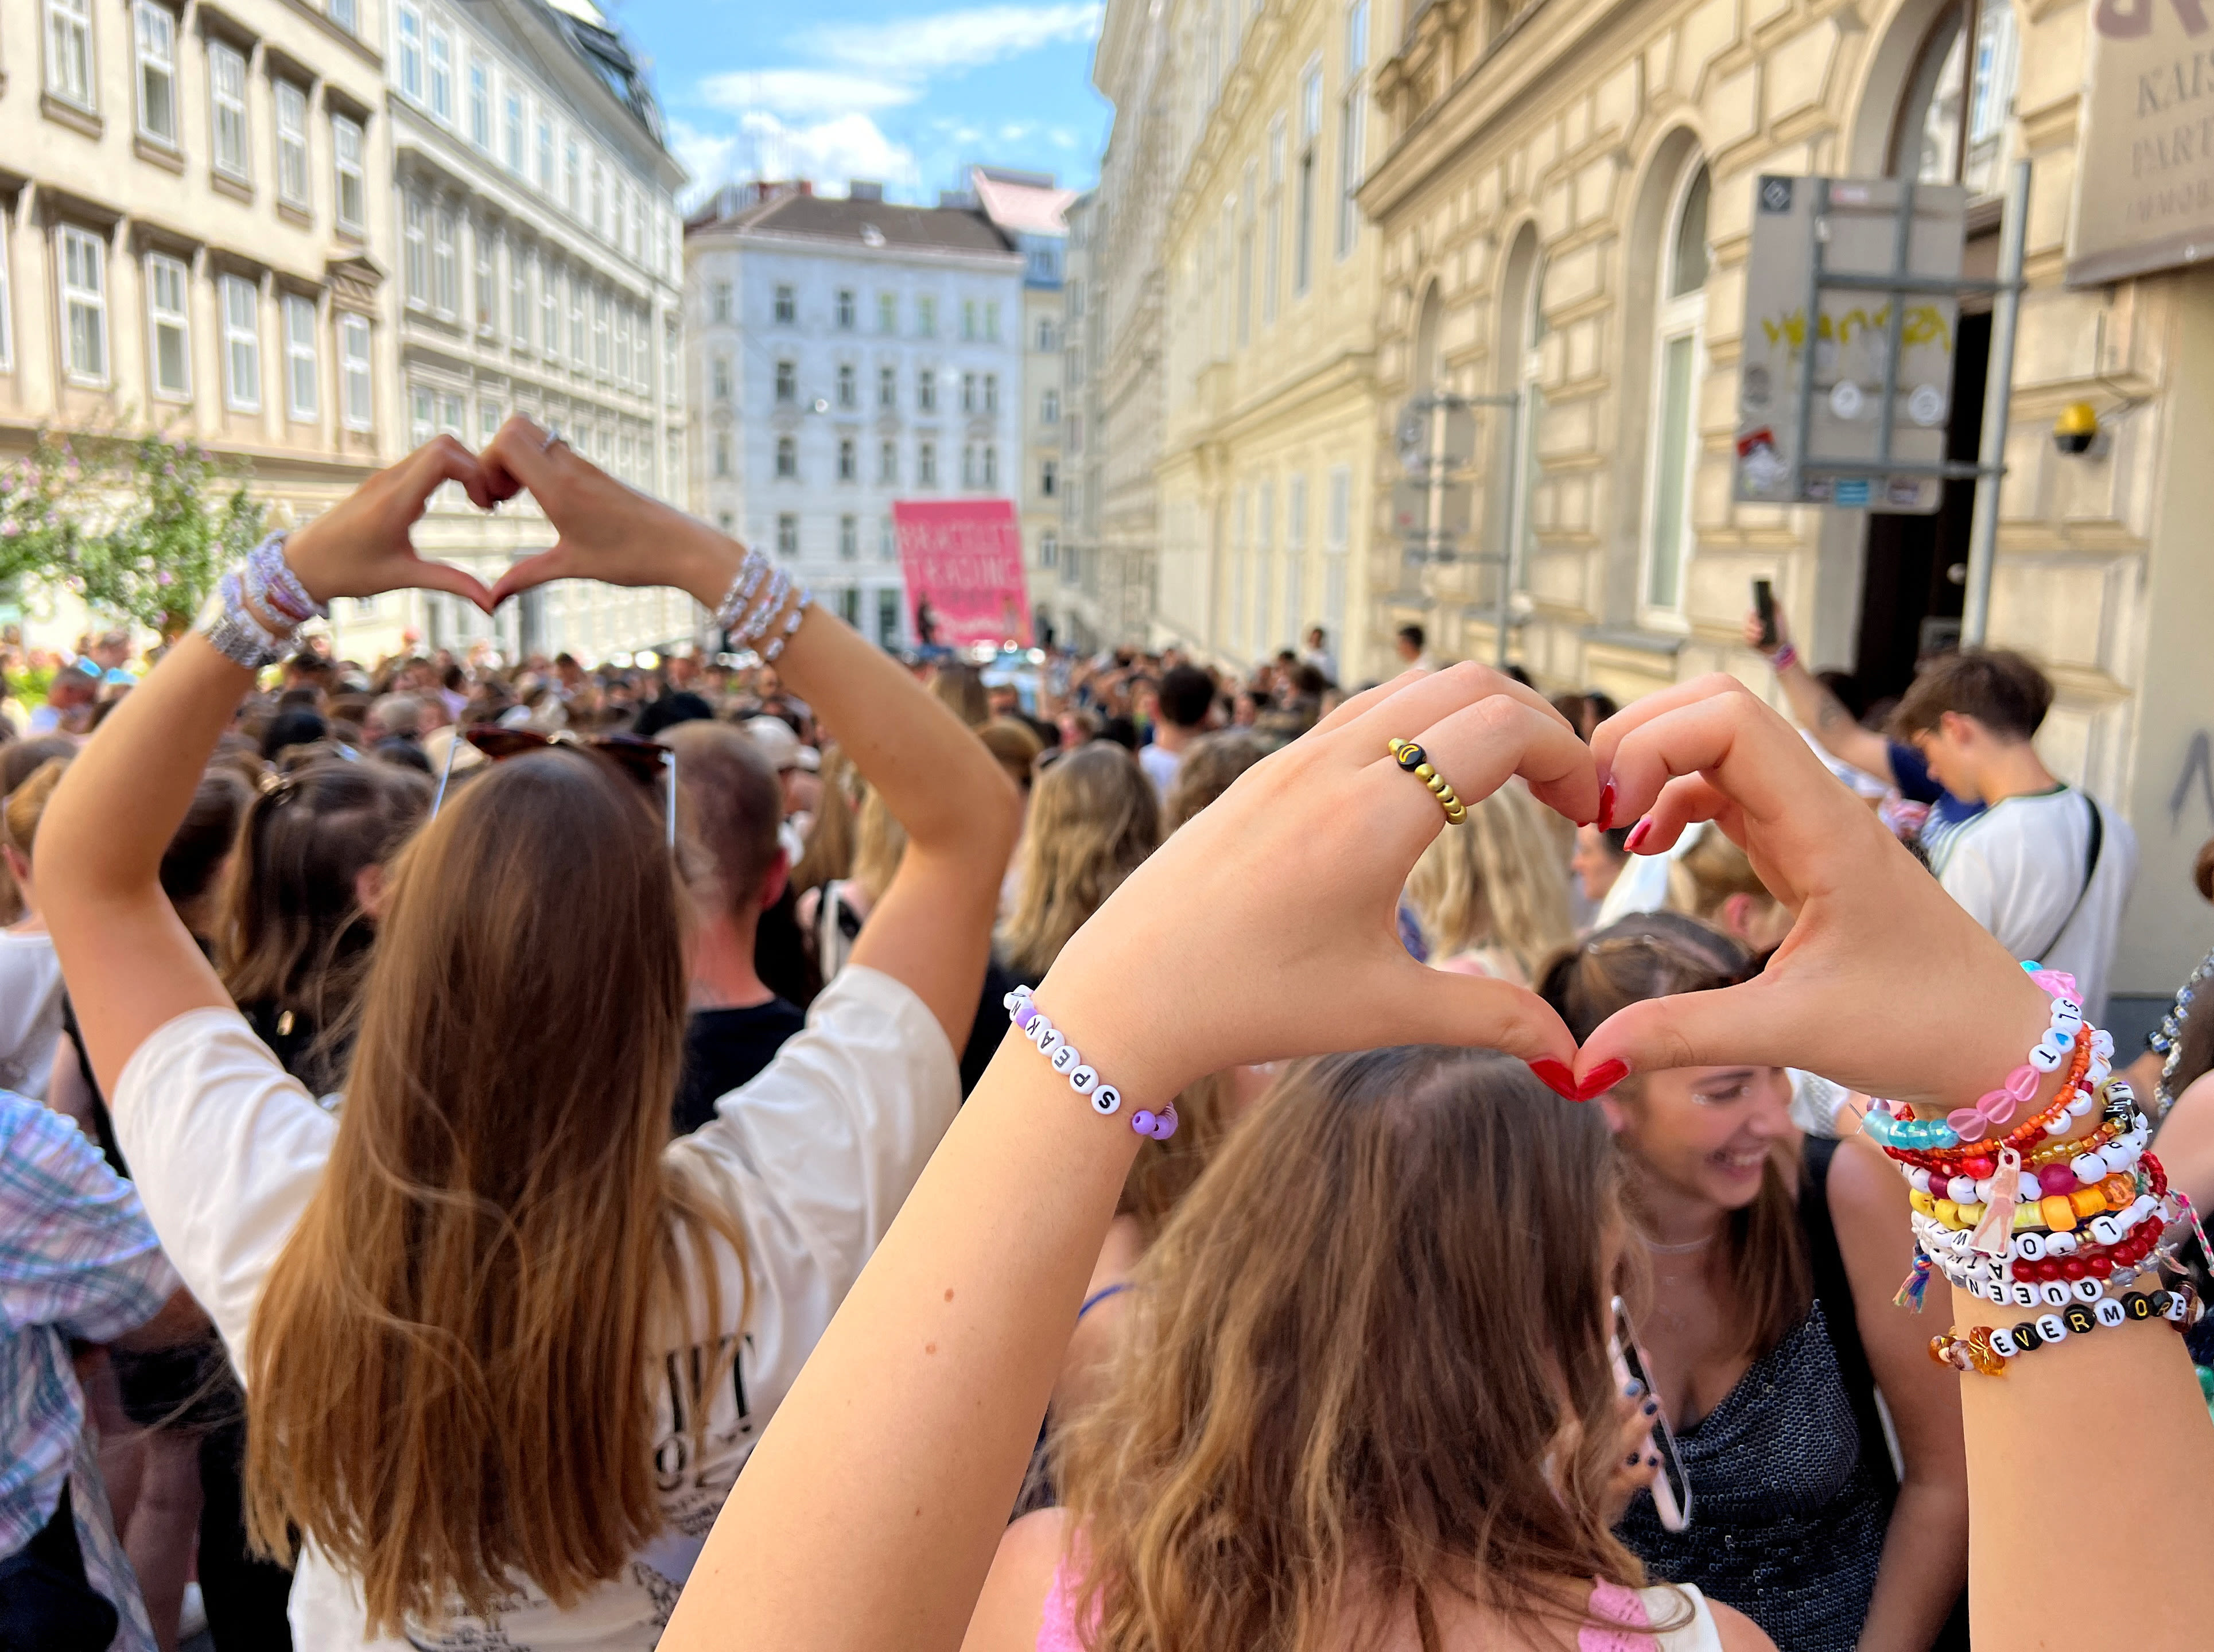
[1491,897]
[1714,881]
[1093,819]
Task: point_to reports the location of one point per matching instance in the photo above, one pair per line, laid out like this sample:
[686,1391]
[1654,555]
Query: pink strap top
[1057,1631]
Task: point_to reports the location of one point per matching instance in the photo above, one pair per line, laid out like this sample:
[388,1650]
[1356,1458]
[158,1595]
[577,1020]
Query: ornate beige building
[1563,199]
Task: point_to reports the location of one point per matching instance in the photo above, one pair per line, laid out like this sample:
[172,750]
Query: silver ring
[552,436]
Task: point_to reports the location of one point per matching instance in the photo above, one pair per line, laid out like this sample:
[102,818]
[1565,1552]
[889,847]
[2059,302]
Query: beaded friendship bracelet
[1986,1350]
[1106,1100]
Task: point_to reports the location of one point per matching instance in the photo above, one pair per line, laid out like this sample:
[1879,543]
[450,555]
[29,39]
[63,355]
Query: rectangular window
[549,311]
[156,29]
[849,394]
[487,420]
[598,214]
[887,543]
[992,395]
[1272,224]
[420,410]
[545,155]
[227,94]
[991,467]
[445,274]
[69,54]
[487,281]
[1303,217]
[722,453]
[1048,474]
[1050,407]
[347,14]
[672,381]
[968,392]
[1672,472]
[572,173]
[846,309]
[353,182]
[442,74]
[926,317]
[926,464]
[719,302]
[168,325]
[719,376]
[888,389]
[576,319]
[450,412]
[480,103]
[1353,126]
[599,332]
[849,538]
[292,145]
[518,298]
[968,318]
[992,321]
[411,52]
[787,535]
[926,391]
[887,314]
[888,463]
[242,345]
[84,304]
[511,131]
[787,383]
[787,459]
[301,367]
[417,235]
[1048,548]
[787,306]
[849,463]
[353,371]
[888,615]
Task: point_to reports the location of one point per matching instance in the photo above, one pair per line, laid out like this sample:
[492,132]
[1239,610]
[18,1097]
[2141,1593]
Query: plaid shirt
[77,1259]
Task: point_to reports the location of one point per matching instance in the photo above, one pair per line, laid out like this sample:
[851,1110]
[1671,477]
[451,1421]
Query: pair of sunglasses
[647,761]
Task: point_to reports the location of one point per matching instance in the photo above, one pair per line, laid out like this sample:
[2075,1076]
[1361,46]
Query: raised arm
[1885,985]
[1817,710]
[868,1515]
[129,963]
[931,929]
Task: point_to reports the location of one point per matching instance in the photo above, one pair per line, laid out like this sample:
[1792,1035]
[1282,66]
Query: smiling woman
[1768,1327]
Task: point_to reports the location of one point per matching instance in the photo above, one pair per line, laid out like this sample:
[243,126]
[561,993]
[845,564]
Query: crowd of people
[457,1113]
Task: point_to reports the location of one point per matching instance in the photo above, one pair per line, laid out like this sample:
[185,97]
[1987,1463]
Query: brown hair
[450,1364]
[731,806]
[1015,745]
[1210,764]
[204,839]
[1498,881]
[1094,820]
[1659,955]
[827,853]
[1998,687]
[26,805]
[1701,879]
[1165,1171]
[961,689]
[1300,1403]
[294,935]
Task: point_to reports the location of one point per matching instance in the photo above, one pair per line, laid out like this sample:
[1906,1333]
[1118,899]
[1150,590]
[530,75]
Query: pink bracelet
[1783,658]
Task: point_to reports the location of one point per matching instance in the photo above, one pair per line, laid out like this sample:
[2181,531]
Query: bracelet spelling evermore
[1106,1100]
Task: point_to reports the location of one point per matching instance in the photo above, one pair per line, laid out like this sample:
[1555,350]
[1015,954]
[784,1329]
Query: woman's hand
[360,546]
[609,532]
[1264,928]
[1636,1461]
[1884,985]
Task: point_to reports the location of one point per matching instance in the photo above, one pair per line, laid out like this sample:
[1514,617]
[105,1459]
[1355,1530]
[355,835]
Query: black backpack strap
[1833,1289]
[2094,841]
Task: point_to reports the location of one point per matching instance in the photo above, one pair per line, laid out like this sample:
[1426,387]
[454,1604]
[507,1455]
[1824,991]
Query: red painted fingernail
[1638,834]
[1601,1079]
[1556,1076]
[1606,820]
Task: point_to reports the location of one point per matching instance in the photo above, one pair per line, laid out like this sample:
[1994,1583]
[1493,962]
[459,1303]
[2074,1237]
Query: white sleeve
[225,1148]
[1971,879]
[831,1136]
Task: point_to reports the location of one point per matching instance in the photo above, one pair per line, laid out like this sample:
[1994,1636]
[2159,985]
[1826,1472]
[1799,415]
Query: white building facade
[846,353]
[537,268]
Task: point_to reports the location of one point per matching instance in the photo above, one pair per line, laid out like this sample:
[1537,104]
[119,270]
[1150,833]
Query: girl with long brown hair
[870,1515]
[1348,1409]
[505,1345]
[1771,1329]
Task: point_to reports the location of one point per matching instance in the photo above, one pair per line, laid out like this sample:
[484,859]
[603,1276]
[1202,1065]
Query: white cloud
[917,46]
[805,92]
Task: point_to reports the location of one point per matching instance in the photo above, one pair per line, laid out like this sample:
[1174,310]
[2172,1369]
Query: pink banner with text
[962,560]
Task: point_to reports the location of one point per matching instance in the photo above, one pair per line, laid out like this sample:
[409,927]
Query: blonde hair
[1701,879]
[879,841]
[827,853]
[27,804]
[451,1374]
[1497,880]
[1345,1388]
[1093,819]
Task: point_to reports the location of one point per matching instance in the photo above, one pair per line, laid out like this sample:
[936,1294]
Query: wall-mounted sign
[2144,169]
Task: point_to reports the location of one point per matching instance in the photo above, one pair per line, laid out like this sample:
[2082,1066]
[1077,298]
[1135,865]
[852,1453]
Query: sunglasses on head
[646,762]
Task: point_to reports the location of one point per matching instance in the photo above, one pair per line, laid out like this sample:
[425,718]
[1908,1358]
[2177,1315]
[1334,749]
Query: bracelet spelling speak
[1035,1025]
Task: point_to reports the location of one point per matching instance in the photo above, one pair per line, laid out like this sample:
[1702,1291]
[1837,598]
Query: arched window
[1673,451]
[1930,142]
[1520,365]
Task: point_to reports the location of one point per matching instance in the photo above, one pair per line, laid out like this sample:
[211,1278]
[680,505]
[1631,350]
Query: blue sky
[906,91]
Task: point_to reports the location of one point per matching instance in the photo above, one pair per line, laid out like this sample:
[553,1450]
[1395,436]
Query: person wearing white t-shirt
[505,1345]
[1186,700]
[2045,868]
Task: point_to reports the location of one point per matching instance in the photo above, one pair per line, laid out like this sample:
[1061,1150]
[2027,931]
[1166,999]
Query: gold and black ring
[1417,761]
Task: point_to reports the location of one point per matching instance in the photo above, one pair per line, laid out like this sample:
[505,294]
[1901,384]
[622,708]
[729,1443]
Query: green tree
[140,527]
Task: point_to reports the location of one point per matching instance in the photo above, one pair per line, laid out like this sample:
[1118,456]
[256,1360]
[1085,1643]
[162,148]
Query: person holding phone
[1769,1327]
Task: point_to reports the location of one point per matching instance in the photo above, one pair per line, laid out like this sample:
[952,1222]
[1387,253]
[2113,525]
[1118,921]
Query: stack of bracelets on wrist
[2032,1220]
[263,582]
[1106,1100]
[753,607]
[1783,659]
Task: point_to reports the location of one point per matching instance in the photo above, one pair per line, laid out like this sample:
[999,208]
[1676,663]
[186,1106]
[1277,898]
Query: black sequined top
[1787,1516]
